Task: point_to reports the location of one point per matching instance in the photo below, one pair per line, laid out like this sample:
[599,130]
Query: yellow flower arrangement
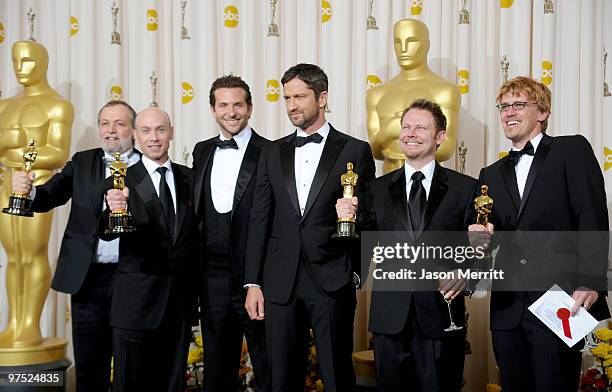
[195,355]
[603,334]
[597,379]
[602,351]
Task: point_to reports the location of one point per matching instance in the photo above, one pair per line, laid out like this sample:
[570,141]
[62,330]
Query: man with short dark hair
[411,345]
[225,172]
[305,276]
[86,263]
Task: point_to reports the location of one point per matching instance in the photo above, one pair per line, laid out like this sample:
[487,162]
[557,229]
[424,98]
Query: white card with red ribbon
[553,309]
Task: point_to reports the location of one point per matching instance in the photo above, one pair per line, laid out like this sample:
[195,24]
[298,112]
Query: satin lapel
[182,199]
[438,190]
[509,176]
[397,192]
[145,189]
[205,156]
[536,165]
[334,144]
[98,168]
[247,168]
[287,160]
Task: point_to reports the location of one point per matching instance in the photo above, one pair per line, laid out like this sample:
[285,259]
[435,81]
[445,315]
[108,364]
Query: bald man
[153,291]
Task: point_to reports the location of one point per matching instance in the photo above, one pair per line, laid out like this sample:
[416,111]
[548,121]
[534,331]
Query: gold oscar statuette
[483,205]
[345,227]
[19,203]
[119,221]
[385,103]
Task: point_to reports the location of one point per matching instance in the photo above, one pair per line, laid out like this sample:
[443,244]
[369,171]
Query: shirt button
[523,261]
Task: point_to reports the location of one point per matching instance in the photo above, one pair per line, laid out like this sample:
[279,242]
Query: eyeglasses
[518,105]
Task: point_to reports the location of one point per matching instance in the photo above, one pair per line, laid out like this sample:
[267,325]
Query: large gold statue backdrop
[385,103]
[39,113]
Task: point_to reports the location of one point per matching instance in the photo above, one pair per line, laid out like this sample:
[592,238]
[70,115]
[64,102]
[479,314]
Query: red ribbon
[564,315]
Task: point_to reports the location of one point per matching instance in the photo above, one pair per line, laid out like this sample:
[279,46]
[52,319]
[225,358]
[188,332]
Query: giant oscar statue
[385,103]
[40,113]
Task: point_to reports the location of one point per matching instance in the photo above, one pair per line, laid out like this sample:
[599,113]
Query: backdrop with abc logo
[190,43]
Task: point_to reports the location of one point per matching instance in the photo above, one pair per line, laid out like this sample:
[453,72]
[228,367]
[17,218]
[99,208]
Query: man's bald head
[153,133]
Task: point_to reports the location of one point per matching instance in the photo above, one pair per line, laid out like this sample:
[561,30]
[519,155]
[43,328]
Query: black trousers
[410,361]
[152,360]
[532,358]
[224,323]
[331,317]
[91,332]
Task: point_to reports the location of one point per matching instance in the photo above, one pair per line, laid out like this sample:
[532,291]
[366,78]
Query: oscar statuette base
[345,229]
[119,222]
[19,205]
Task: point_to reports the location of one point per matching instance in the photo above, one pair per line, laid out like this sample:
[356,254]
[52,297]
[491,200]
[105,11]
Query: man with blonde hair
[546,193]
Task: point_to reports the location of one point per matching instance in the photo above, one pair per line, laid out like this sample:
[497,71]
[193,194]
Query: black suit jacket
[203,154]
[449,208]
[81,179]
[157,271]
[564,192]
[279,235]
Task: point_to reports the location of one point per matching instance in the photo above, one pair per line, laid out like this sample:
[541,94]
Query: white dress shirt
[225,169]
[108,251]
[156,177]
[427,170]
[524,164]
[306,161]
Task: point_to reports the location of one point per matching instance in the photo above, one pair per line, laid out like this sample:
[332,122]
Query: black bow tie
[516,155]
[314,138]
[223,144]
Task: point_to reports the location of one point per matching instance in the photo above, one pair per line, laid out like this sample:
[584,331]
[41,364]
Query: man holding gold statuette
[225,173]
[86,263]
[292,261]
[550,209]
[154,289]
[419,329]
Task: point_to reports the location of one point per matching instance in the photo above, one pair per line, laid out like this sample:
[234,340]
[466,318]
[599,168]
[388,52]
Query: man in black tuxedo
[154,289]
[411,349]
[546,184]
[86,264]
[225,171]
[305,275]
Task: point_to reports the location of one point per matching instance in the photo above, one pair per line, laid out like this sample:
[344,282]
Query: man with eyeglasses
[545,189]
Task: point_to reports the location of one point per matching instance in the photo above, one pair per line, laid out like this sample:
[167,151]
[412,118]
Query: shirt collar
[535,142]
[129,157]
[323,131]
[427,170]
[242,138]
[152,166]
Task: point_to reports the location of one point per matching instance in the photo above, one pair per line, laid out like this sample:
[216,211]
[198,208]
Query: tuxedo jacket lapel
[438,190]
[206,155]
[182,199]
[98,168]
[509,177]
[334,144]
[397,192]
[145,189]
[247,168]
[536,165]
[287,158]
